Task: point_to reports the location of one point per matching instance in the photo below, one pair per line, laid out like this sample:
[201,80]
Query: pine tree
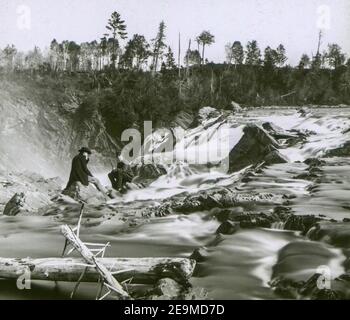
[158,46]
[170,59]
[117,27]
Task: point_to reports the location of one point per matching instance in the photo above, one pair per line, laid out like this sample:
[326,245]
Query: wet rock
[163,211]
[314,162]
[228,227]
[15,205]
[167,289]
[282,210]
[304,111]
[343,151]
[223,215]
[255,145]
[206,117]
[254,220]
[199,202]
[147,173]
[28,203]
[313,172]
[305,290]
[216,241]
[195,294]
[334,233]
[271,127]
[307,176]
[281,215]
[236,108]
[301,223]
[279,133]
[206,113]
[88,194]
[312,289]
[275,157]
[29,192]
[219,198]
[298,272]
[200,254]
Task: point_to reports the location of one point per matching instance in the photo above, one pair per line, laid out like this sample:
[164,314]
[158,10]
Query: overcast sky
[294,23]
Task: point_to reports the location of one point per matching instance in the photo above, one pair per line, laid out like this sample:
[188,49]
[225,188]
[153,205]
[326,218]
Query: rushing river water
[240,266]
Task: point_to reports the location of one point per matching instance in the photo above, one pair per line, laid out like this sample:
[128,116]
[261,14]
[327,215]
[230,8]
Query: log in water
[140,270]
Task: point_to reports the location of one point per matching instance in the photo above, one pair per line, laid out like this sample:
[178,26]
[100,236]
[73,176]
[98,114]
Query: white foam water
[186,164]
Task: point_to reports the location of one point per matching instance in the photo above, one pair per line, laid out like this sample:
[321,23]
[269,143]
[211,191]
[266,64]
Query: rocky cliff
[41,136]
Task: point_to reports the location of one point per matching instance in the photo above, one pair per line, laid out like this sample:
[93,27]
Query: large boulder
[342,151]
[334,233]
[200,254]
[278,133]
[27,203]
[301,267]
[88,194]
[255,146]
[27,193]
[275,157]
[147,173]
[15,205]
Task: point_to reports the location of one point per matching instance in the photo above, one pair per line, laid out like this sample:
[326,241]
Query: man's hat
[85,149]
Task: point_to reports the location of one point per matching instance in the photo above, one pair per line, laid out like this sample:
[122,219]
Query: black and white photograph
[189,150]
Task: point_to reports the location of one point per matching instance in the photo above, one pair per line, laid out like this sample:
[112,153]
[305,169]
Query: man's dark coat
[80,172]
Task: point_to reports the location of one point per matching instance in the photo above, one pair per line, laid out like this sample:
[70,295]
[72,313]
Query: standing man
[81,173]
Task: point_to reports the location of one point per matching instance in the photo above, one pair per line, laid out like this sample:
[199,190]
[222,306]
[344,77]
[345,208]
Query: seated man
[119,177]
[81,173]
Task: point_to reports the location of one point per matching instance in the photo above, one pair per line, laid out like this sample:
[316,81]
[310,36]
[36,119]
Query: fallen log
[140,270]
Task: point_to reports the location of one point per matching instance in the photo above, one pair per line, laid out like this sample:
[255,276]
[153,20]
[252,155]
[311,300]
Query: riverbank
[259,233]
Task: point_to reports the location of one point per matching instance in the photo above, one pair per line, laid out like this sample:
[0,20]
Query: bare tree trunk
[187,62]
[319,42]
[179,56]
[203,53]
